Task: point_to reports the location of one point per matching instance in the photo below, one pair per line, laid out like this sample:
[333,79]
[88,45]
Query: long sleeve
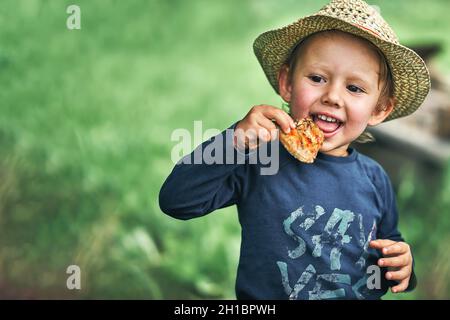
[388,228]
[196,187]
[389,224]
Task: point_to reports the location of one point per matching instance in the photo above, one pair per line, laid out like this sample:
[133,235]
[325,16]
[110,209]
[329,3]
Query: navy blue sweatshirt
[305,229]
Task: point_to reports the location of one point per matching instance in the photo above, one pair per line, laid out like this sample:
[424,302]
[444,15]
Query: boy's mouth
[328,123]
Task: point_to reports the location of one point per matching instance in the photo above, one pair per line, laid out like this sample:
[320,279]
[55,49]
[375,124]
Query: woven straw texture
[409,72]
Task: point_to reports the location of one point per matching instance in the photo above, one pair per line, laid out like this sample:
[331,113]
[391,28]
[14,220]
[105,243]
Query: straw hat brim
[409,72]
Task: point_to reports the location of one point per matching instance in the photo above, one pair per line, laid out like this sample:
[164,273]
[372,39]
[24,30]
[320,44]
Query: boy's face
[336,81]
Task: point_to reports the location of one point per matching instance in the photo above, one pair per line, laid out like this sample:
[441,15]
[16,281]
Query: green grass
[85,127]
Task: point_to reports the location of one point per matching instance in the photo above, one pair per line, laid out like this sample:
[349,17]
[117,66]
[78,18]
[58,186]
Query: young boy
[321,230]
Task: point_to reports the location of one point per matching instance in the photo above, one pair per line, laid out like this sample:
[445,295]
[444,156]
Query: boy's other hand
[398,258]
[258,125]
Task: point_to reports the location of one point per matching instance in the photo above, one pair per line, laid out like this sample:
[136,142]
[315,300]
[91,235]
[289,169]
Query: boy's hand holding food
[260,125]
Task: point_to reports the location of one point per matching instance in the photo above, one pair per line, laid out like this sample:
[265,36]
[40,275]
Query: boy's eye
[315,78]
[355,89]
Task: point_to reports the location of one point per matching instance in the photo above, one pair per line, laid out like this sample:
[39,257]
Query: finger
[400,261]
[402,286]
[268,125]
[252,144]
[251,138]
[242,137]
[399,275]
[396,249]
[381,243]
[282,118]
[288,118]
[263,134]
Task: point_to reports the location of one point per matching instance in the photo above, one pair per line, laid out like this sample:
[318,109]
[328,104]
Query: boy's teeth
[325,118]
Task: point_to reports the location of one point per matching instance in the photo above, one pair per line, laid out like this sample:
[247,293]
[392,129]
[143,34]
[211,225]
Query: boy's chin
[333,149]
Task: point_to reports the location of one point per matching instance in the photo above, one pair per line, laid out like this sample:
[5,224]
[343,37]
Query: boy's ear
[284,84]
[381,112]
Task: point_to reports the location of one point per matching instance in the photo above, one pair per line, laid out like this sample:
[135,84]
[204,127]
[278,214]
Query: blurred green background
[85,125]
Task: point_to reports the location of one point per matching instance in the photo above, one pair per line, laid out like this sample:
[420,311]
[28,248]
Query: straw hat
[409,72]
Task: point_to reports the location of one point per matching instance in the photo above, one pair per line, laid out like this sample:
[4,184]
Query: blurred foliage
[85,128]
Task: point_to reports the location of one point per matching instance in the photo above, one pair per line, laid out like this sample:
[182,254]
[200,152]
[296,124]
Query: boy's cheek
[358,116]
[302,101]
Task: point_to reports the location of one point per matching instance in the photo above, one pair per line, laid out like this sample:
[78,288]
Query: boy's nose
[332,97]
